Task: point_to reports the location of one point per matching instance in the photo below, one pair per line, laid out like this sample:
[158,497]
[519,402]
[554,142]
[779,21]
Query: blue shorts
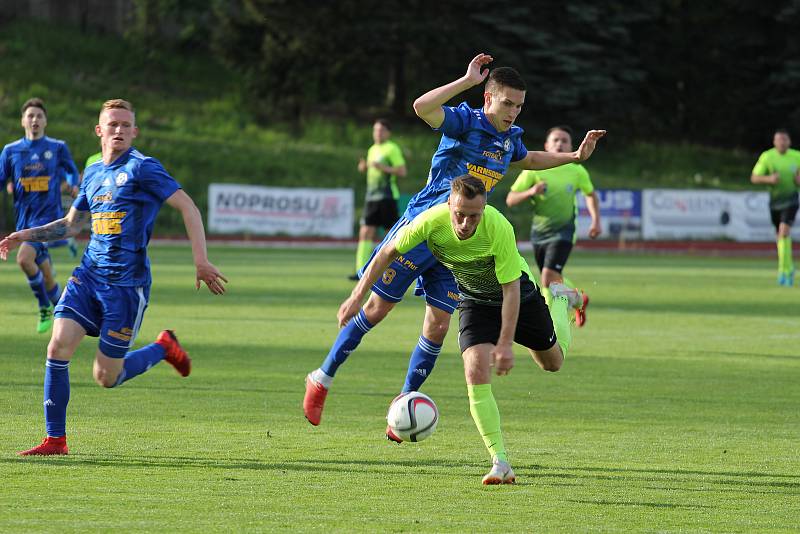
[433,279]
[42,253]
[113,313]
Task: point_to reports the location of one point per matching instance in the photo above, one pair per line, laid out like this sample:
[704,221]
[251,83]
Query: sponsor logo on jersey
[497,156]
[35,184]
[48,154]
[487,176]
[106,183]
[121,179]
[34,167]
[105,197]
[35,157]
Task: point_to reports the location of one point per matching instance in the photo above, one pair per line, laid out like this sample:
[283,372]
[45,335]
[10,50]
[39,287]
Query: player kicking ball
[499,304]
[108,292]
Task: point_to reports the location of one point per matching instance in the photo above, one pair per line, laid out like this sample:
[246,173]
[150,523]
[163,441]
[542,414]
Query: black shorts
[381,213]
[552,255]
[479,323]
[786,216]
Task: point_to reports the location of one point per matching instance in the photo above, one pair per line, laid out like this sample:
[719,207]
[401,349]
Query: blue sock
[54,294]
[421,363]
[346,342]
[138,361]
[56,397]
[37,286]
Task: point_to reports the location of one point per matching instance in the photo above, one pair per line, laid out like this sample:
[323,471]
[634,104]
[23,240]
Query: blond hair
[117,103]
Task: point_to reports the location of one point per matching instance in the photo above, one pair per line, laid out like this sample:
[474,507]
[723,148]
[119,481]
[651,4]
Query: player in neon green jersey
[552,195]
[500,303]
[779,168]
[383,165]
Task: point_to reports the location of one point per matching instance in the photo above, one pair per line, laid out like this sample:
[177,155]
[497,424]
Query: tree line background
[722,73]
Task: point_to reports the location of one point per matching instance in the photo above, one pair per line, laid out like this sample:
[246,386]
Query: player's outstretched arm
[63,228]
[428,107]
[502,355]
[375,269]
[540,160]
[516,197]
[192,220]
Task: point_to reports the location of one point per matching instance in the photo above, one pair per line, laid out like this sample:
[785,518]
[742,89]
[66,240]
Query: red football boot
[314,400]
[49,446]
[174,353]
[580,313]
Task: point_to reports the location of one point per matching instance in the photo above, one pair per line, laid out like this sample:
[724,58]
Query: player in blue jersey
[482,142]
[108,292]
[33,169]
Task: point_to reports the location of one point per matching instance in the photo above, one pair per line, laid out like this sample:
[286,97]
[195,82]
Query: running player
[108,292]
[481,142]
[779,168]
[383,165]
[500,302]
[552,194]
[32,169]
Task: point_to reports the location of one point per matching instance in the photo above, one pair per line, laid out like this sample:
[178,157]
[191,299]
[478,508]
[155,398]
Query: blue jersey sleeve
[456,120]
[5,167]
[520,151]
[68,166]
[81,203]
[156,180]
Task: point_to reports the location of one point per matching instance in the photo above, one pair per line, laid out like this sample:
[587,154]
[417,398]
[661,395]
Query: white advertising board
[263,210]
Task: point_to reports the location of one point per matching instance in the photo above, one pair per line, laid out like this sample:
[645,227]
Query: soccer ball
[413,416]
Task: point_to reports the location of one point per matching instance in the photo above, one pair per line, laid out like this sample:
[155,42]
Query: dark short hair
[782,131]
[504,77]
[467,186]
[562,127]
[34,103]
[383,122]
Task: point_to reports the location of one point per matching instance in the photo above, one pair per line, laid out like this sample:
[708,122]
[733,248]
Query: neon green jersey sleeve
[761,167]
[395,155]
[584,182]
[525,181]
[420,228]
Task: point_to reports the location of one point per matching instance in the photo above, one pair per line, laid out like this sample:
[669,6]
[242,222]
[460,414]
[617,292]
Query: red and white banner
[265,210]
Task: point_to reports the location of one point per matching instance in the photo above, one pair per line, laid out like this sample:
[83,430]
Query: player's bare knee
[552,365]
[56,350]
[376,309]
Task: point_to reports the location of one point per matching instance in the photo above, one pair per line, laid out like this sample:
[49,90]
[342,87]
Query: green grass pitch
[677,410]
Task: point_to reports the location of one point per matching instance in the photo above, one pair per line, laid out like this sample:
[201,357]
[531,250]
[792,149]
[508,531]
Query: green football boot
[45,319]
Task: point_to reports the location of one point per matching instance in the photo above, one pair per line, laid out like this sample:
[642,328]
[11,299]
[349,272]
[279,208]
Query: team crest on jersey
[507,145]
[48,154]
[121,179]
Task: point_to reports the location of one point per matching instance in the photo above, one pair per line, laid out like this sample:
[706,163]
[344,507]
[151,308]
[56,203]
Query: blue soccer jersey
[469,145]
[123,198]
[37,168]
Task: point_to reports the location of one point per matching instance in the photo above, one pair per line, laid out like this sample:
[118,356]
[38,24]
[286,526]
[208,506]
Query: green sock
[559,313]
[788,262]
[363,253]
[780,255]
[548,297]
[484,412]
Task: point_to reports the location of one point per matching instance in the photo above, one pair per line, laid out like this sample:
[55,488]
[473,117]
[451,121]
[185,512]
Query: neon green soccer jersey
[91,159]
[554,211]
[381,185]
[784,193]
[479,264]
